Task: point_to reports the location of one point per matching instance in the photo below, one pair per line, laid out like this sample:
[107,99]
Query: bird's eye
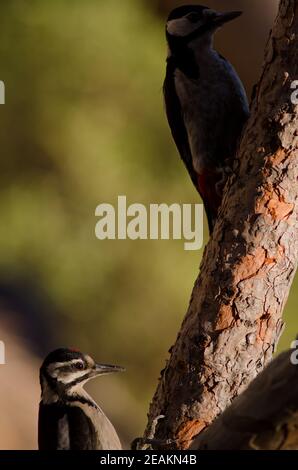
[79,366]
[194,17]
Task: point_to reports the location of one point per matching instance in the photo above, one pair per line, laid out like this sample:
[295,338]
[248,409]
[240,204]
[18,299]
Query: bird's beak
[222,18]
[101,369]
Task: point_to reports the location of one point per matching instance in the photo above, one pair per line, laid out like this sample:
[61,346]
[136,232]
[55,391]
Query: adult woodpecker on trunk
[206,104]
[69,419]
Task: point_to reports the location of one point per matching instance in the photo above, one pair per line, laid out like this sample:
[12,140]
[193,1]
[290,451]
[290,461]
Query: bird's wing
[52,421]
[175,120]
[64,428]
[82,434]
[237,110]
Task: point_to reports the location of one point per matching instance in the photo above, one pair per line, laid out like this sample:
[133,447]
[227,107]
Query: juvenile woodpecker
[69,419]
[206,104]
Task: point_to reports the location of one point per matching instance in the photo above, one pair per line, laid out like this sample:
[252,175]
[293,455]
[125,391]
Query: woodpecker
[69,419]
[206,104]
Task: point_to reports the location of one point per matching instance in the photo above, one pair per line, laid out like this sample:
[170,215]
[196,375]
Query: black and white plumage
[206,104]
[69,419]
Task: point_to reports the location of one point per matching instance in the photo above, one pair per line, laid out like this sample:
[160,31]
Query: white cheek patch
[54,369]
[68,378]
[181,27]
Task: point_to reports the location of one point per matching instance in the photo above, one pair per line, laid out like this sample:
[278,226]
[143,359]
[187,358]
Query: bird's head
[190,22]
[66,370]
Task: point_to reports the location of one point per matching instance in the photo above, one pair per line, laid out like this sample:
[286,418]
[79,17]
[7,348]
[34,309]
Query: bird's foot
[143,443]
[150,442]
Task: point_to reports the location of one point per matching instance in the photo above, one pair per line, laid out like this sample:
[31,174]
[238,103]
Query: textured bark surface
[234,318]
[264,417]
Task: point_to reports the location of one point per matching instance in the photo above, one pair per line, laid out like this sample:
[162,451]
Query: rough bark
[264,417]
[234,318]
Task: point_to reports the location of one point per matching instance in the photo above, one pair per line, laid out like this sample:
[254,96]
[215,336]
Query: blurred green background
[83,123]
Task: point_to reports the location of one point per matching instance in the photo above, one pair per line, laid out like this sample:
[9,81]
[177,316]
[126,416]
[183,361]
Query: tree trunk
[264,417]
[234,318]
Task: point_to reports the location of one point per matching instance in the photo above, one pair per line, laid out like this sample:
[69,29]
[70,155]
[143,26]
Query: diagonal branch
[264,417]
[234,318]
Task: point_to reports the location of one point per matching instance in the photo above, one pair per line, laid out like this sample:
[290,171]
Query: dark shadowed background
[83,123]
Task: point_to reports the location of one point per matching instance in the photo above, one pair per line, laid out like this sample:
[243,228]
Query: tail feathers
[211,218]
[206,187]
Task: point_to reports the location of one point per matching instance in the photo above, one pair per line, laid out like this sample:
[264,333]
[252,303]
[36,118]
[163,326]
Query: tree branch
[234,318]
[264,417]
